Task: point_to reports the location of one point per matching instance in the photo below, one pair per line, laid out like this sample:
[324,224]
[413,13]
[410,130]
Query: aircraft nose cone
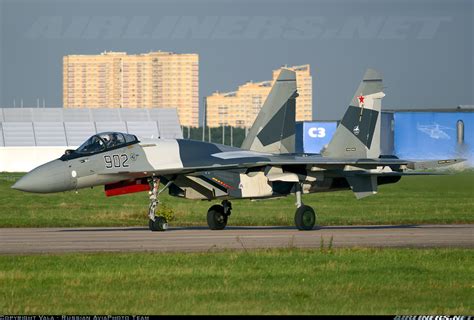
[49,177]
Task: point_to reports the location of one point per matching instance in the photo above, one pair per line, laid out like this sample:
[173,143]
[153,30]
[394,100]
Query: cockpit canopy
[106,141]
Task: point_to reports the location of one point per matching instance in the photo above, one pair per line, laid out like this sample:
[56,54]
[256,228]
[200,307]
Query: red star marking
[361,99]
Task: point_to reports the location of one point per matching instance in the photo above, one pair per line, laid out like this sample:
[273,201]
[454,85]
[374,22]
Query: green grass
[285,281]
[413,200]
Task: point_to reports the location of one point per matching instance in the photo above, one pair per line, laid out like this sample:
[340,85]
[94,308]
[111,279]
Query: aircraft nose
[49,177]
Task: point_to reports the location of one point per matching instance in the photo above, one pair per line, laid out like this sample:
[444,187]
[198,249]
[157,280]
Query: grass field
[286,281]
[413,200]
[280,281]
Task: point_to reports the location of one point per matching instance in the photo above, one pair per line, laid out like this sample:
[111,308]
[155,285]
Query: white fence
[58,127]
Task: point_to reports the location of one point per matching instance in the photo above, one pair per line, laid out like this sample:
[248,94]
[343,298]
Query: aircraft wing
[251,161]
[244,159]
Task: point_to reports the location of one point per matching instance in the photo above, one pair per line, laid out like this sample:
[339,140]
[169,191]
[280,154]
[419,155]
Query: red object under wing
[125,187]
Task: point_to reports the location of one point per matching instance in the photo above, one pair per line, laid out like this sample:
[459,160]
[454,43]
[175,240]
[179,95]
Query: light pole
[204,120]
[223,132]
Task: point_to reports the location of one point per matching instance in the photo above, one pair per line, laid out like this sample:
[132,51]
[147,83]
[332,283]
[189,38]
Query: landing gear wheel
[160,224]
[305,218]
[216,219]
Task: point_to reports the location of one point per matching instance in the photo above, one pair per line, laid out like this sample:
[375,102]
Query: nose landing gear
[155,223]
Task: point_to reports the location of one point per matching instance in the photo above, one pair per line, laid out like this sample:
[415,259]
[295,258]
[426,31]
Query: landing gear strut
[155,223]
[305,218]
[217,215]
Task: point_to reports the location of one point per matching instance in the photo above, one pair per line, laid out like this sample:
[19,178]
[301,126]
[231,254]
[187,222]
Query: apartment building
[118,80]
[240,108]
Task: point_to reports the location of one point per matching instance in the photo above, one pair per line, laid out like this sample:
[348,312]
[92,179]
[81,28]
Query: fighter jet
[266,166]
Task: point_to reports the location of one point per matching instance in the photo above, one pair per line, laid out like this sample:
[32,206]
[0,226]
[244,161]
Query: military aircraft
[266,166]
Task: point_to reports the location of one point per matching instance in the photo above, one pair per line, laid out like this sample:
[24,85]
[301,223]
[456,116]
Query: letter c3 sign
[317,132]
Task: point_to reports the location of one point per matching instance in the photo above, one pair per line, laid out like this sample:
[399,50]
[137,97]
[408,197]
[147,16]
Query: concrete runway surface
[194,239]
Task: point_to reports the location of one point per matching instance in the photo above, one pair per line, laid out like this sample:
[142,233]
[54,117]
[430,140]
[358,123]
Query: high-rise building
[117,80]
[241,107]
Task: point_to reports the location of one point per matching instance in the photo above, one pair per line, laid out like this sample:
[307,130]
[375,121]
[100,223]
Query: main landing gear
[155,223]
[217,215]
[305,218]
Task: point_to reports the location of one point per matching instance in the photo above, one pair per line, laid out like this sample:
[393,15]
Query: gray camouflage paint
[358,135]
[274,128]
[201,170]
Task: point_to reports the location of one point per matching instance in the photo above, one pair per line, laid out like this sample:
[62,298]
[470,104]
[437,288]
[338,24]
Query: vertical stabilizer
[358,134]
[274,128]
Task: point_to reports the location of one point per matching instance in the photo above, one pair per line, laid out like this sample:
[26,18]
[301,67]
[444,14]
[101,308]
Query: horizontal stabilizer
[432,164]
[398,174]
[363,186]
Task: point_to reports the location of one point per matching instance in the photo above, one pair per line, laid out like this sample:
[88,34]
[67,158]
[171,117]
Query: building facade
[241,107]
[117,80]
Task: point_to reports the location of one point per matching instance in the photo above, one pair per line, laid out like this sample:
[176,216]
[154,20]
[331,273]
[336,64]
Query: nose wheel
[218,215]
[160,224]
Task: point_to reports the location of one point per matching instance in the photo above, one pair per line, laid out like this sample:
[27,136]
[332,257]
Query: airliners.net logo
[434,318]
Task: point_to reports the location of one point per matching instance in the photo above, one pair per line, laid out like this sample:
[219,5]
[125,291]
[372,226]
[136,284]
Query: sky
[423,49]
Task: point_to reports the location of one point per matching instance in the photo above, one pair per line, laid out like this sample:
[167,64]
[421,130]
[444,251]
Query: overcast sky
[424,49]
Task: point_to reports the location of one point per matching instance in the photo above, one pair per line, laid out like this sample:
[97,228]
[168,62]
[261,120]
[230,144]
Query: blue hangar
[408,134]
